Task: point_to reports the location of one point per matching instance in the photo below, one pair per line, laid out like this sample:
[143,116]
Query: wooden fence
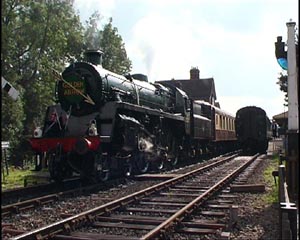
[4,159]
[287,210]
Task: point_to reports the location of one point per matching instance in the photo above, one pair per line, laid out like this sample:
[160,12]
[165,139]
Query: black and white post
[12,92]
[293,109]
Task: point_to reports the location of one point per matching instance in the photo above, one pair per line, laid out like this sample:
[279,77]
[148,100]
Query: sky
[231,41]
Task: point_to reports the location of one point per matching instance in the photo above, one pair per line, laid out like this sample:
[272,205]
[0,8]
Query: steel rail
[65,225]
[42,200]
[188,209]
[23,192]
[38,201]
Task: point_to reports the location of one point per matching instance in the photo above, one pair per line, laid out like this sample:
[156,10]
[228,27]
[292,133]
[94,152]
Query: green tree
[36,37]
[115,57]
[13,114]
[283,85]
[110,42]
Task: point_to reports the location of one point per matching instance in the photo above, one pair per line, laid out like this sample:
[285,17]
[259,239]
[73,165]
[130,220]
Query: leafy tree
[110,42]
[12,119]
[115,57]
[36,37]
[13,114]
[283,81]
[283,84]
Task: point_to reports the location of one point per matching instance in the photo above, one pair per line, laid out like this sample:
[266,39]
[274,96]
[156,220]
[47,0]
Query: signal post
[293,111]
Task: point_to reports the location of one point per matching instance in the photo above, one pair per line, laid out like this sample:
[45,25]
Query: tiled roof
[281,115]
[199,89]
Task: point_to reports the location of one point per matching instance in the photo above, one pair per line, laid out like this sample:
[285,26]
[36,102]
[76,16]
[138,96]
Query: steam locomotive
[106,124]
[253,129]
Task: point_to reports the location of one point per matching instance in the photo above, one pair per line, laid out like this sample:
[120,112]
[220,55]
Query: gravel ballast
[257,218]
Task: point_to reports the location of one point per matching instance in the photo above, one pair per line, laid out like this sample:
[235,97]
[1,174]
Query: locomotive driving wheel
[141,157]
[160,160]
[103,167]
[136,164]
[54,168]
[142,163]
[176,153]
[173,160]
[129,167]
[159,164]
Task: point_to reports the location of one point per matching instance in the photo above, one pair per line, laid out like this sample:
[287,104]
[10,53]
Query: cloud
[167,47]
[87,7]
[272,106]
[230,40]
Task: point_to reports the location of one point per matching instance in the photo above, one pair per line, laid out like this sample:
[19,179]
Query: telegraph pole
[293,108]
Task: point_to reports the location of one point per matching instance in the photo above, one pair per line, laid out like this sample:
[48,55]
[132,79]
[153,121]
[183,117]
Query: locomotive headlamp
[37,132]
[82,146]
[92,129]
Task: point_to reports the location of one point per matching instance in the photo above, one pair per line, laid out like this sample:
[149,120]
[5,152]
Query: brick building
[195,87]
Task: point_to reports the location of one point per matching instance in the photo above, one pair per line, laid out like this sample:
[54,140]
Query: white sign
[9,89]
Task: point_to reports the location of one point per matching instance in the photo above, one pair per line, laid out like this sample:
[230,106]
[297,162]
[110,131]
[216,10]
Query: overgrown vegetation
[15,178]
[271,196]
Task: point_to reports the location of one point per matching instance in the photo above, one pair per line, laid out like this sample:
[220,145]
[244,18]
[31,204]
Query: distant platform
[276,145]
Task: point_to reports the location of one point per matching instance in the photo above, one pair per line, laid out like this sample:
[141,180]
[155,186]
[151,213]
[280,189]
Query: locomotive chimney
[194,73]
[94,57]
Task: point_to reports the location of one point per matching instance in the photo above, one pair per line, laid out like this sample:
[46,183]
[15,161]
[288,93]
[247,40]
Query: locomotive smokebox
[94,57]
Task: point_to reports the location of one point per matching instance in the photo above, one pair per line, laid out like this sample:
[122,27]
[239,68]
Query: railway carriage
[253,129]
[223,137]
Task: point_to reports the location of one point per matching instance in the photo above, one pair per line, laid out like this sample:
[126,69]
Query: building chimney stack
[194,73]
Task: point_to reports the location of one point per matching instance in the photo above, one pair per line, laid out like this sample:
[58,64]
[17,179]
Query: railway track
[154,212]
[22,194]
[25,193]
[73,188]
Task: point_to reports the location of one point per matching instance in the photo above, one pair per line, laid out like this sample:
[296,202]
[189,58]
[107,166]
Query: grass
[15,178]
[272,195]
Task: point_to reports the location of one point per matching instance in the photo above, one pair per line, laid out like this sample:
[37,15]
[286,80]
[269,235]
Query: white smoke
[166,47]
